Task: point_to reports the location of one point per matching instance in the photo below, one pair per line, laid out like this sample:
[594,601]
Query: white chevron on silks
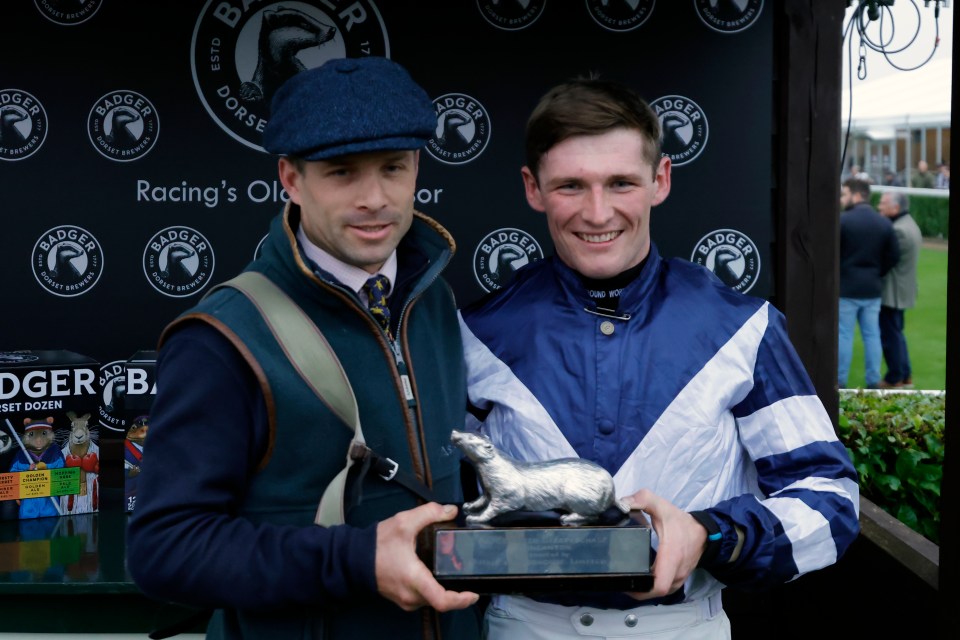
[690,456]
[519,425]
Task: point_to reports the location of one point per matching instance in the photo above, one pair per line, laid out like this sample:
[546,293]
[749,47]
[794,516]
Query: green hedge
[896,444]
[931,213]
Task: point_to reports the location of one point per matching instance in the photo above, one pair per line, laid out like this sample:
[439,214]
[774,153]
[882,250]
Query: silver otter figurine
[581,488]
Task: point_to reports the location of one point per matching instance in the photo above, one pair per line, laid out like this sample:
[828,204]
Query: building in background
[898,117]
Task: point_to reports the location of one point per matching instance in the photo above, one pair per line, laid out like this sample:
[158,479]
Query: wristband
[714,537]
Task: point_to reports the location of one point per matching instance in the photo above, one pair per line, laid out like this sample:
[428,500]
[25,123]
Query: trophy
[539,527]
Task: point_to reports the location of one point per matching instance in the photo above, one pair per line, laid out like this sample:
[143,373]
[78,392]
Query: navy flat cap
[349,105]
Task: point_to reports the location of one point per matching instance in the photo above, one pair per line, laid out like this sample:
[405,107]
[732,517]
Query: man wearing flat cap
[242,447]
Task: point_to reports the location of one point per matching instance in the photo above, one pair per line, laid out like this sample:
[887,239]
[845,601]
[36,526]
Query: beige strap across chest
[313,358]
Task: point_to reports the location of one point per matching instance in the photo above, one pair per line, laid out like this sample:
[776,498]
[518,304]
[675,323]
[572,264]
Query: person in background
[868,250]
[858,173]
[241,449]
[943,177]
[899,291]
[689,393]
[891,179]
[922,178]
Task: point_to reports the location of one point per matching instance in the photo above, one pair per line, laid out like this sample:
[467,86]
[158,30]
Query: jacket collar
[423,253]
[632,296]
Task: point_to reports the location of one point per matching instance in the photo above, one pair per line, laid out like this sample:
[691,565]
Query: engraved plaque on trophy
[539,527]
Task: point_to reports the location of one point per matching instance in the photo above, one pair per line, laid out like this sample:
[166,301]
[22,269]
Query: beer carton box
[49,452]
[141,387]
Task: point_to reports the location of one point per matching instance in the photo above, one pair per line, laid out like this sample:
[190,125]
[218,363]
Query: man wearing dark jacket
[241,447]
[868,250]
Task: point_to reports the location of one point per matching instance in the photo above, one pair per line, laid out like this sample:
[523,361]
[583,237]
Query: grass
[926,326]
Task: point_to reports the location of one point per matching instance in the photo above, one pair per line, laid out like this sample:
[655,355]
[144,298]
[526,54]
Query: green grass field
[926,326]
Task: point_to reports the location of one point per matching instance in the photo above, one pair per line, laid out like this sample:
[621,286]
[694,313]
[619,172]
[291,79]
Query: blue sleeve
[805,513]
[186,544]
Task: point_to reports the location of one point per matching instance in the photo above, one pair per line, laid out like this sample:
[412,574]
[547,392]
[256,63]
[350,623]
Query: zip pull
[404,375]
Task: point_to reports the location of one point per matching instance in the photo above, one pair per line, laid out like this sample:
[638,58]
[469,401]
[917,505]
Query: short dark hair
[861,187]
[588,106]
[298,162]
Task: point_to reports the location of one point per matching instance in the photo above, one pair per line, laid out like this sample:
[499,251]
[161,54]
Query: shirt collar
[347,274]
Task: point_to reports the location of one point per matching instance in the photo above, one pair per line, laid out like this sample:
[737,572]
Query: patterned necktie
[376,289]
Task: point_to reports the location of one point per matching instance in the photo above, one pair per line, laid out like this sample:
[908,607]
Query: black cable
[857,18]
[846,32]
[884,46]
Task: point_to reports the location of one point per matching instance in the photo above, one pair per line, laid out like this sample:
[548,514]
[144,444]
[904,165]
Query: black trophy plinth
[525,552]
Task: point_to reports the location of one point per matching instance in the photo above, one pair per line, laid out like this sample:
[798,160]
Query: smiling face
[597,192]
[356,207]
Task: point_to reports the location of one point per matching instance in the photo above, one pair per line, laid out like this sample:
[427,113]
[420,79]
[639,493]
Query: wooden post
[949,492]
[807,190]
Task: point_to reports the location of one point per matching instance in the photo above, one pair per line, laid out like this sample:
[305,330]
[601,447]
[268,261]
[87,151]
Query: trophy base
[528,584]
[533,553]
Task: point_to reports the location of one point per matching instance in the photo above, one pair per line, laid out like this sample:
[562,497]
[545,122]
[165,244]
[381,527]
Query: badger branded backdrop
[133,177]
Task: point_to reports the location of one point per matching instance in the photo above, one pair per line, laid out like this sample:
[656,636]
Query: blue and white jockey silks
[699,396]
